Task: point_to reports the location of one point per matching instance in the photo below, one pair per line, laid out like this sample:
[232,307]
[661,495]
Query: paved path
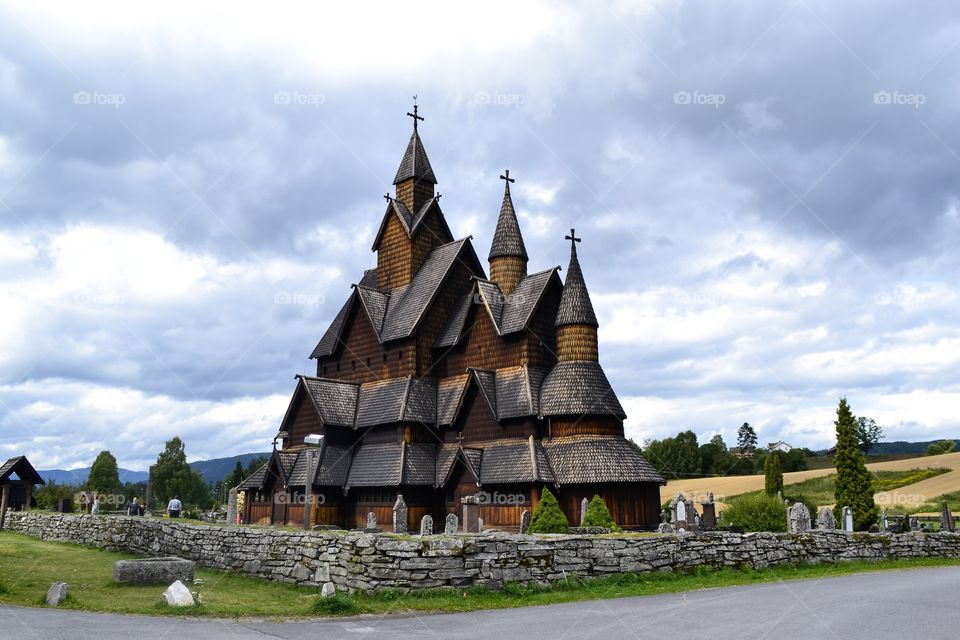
[920,603]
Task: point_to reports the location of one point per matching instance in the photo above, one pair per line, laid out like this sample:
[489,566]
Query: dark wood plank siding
[633,506]
[304,422]
[585,425]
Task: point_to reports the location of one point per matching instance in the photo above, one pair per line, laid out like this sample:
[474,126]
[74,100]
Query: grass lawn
[820,491]
[28,567]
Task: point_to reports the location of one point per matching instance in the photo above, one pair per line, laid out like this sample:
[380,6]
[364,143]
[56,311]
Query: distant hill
[211,470]
[899,447]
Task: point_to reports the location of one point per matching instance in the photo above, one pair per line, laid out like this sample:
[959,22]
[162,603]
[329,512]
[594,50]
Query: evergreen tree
[854,487]
[598,515]
[547,517]
[773,475]
[747,439]
[104,476]
[236,476]
[172,476]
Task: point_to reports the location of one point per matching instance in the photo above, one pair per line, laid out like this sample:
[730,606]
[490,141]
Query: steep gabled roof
[578,388]
[381,401]
[450,395]
[257,479]
[507,239]
[575,305]
[415,163]
[509,461]
[375,304]
[334,465]
[335,400]
[331,337]
[509,314]
[22,467]
[487,383]
[597,459]
[409,303]
[412,222]
[420,464]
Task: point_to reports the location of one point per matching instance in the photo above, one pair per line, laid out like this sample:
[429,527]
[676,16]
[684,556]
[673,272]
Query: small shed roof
[22,467]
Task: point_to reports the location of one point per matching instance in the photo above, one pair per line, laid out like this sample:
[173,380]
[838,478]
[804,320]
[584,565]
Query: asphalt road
[920,603]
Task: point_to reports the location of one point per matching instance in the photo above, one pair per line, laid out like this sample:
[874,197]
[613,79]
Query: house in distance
[437,382]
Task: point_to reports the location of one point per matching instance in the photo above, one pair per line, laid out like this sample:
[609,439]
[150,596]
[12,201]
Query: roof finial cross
[506,176]
[460,438]
[387,197]
[414,114]
[572,237]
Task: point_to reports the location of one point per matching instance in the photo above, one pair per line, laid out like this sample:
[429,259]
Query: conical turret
[508,255]
[576,322]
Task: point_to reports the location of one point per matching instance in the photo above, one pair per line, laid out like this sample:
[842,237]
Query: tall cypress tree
[104,475]
[773,474]
[854,483]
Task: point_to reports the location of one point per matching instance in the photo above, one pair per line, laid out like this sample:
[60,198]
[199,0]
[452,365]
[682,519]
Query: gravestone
[946,518]
[451,524]
[153,570]
[56,594]
[399,515]
[471,514]
[665,527]
[884,523]
[847,519]
[177,595]
[371,520]
[798,518]
[709,518]
[328,590]
[665,516]
[682,512]
[914,524]
[426,526]
[826,521]
[232,506]
[583,510]
[524,521]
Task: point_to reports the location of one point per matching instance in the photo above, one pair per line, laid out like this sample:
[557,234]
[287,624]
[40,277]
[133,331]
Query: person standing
[135,509]
[95,507]
[174,507]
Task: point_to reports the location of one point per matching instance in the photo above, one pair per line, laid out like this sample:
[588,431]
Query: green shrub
[547,517]
[773,475]
[755,512]
[337,605]
[598,515]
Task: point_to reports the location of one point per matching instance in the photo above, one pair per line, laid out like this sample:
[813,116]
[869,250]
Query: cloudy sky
[767,191]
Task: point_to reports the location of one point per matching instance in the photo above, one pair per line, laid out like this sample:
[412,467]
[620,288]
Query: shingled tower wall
[508,255]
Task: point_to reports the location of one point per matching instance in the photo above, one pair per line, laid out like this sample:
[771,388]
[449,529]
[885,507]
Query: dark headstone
[153,570]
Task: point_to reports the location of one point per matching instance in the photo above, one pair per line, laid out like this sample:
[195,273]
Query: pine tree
[236,476]
[172,476]
[854,484]
[773,475]
[598,515]
[547,517]
[104,476]
[747,439]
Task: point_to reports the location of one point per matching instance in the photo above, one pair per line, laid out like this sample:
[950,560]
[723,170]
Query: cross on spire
[414,114]
[572,237]
[387,197]
[507,177]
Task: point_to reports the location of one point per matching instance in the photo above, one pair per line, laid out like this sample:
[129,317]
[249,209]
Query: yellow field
[914,494]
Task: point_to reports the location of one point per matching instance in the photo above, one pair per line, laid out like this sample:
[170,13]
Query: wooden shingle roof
[575,305]
[507,239]
[578,388]
[415,163]
[597,459]
[22,467]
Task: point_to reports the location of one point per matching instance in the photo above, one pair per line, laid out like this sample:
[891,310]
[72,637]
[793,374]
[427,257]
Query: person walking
[135,509]
[174,507]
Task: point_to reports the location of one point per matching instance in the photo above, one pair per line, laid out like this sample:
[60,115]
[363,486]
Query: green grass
[932,506]
[820,491]
[28,567]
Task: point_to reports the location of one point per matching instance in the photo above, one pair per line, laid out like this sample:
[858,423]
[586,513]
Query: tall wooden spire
[576,322]
[508,255]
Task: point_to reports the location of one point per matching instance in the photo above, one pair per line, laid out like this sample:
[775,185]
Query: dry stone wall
[367,562]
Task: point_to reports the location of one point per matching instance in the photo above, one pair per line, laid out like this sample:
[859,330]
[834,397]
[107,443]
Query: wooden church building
[437,381]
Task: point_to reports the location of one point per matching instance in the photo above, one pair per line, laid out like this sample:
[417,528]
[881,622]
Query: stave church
[439,382]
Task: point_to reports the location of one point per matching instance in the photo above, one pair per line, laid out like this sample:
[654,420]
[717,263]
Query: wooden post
[4,502]
[29,490]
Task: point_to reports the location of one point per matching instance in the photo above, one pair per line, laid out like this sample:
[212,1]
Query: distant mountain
[211,470]
[79,476]
[218,468]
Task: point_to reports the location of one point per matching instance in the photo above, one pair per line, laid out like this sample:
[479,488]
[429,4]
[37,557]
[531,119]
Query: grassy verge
[820,491]
[29,566]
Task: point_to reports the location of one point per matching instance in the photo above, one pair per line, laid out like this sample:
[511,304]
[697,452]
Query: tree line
[171,475]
